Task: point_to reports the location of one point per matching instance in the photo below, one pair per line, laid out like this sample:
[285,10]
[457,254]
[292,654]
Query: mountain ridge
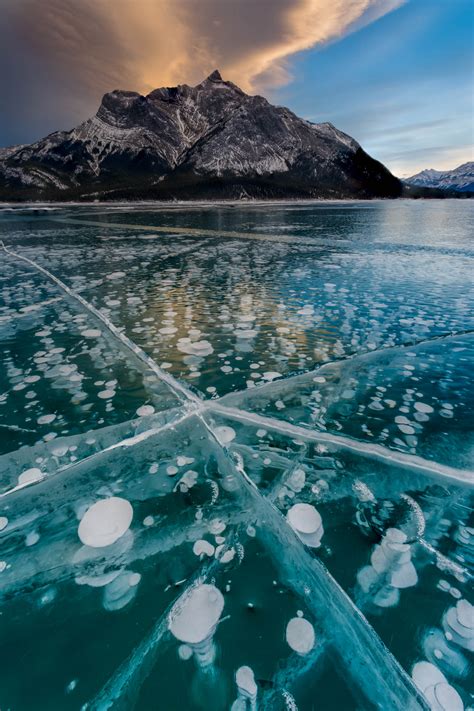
[211,141]
[460,179]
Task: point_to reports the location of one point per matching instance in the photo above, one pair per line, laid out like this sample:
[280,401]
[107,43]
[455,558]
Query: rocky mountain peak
[215,76]
[460,179]
[209,140]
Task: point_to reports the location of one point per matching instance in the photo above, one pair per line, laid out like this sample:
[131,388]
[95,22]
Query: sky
[397,75]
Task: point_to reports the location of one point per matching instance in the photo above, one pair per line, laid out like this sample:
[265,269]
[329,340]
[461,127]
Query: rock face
[459,179]
[209,141]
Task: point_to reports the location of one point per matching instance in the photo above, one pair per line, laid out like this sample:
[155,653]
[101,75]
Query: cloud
[59,56]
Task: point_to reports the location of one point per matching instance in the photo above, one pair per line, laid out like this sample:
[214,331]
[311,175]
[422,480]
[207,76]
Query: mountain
[203,142]
[459,179]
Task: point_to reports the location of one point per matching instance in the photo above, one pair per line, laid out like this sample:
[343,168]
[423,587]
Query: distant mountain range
[209,141]
[459,179]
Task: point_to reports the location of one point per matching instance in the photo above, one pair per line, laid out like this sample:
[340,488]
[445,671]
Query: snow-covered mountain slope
[207,141]
[460,179]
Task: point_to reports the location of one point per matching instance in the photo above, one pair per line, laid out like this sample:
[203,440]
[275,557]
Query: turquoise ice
[236,456]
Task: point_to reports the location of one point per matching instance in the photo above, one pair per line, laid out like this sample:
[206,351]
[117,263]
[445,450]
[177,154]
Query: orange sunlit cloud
[60,56]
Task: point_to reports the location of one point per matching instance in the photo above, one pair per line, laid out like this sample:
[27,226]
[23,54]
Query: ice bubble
[224,434]
[148,521]
[91,333]
[97,581]
[300,635]
[404,577]
[465,613]
[458,622]
[395,535]
[32,379]
[423,407]
[225,556]
[246,317]
[203,547]
[145,410]
[402,420]
[216,526]
[187,481]
[134,579]
[30,475]
[71,686]
[185,652]
[3,522]
[387,597]
[245,680]
[105,522]
[106,394]
[115,275]
[245,333]
[304,519]
[452,661]
[296,480]
[443,697]
[425,674]
[120,591]
[196,614]
[32,538]
[199,348]
[271,375]
[60,451]
[46,419]
[181,461]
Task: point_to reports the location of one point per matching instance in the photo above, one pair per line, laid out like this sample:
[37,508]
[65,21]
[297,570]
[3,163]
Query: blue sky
[402,86]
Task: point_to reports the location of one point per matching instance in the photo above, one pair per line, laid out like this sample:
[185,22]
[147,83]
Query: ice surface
[236,458]
[395,397]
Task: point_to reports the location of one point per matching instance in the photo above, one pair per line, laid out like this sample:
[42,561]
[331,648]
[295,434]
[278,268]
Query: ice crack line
[365,357]
[372,451]
[355,640]
[326,587]
[126,442]
[184,393]
[217,234]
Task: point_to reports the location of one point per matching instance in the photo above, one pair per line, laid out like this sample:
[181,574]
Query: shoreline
[45,204]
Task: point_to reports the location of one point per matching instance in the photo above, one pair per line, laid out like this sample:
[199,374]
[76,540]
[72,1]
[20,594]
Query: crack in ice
[178,388]
[373,451]
[217,234]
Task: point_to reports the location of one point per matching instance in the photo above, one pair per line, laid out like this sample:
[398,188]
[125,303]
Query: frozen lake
[236,454]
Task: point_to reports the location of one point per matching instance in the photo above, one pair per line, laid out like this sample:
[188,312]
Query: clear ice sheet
[273,404]
[418,399]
